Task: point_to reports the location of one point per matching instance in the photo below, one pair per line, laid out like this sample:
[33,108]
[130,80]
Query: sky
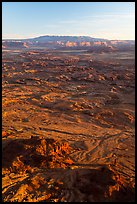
[109,20]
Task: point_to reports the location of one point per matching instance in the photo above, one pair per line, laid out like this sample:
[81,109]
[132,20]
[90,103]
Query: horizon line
[52,35]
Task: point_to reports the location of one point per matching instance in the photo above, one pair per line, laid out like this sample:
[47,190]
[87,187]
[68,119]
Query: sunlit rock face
[77,42]
[45,172]
[68,125]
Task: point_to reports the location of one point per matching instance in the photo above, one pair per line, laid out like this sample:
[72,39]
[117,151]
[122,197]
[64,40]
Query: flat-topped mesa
[77,42]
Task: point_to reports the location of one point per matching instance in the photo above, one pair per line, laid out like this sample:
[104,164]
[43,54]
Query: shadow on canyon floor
[49,174]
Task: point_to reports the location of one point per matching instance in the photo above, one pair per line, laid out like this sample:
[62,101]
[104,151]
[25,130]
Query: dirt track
[87,104]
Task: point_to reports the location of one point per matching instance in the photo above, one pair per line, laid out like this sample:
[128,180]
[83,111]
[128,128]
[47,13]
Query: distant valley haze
[70,42]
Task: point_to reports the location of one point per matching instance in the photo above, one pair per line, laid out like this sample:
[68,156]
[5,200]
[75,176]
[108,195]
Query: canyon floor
[68,126]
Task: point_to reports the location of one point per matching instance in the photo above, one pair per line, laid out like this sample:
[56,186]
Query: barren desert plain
[68,129]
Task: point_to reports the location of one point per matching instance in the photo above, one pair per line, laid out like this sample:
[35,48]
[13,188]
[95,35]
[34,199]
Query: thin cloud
[106,18]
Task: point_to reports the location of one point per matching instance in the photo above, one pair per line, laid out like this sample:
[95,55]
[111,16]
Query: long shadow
[87,183]
[17,148]
[79,185]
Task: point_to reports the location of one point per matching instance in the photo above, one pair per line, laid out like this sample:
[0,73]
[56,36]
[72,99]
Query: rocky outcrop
[76,42]
[14,44]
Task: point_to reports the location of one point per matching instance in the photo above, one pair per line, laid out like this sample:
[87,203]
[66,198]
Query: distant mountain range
[48,38]
[73,42]
[55,38]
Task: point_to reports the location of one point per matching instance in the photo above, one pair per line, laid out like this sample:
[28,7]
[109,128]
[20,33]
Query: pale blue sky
[110,20]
